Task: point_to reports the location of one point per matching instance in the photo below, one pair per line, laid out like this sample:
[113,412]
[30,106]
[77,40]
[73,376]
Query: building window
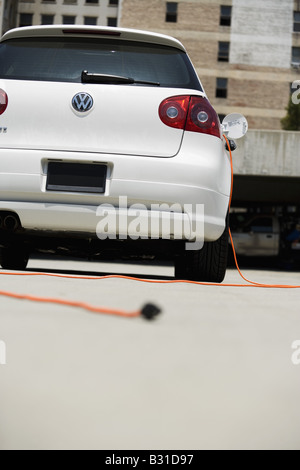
[47,19]
[48,1]
[111,21]
[113,3]
[225,15]
[91,1]
[296,55]
[90,20]
[67,19]
[171,12]
[221,88]
[70,2]
[223,52]
[26,19]
[296,21]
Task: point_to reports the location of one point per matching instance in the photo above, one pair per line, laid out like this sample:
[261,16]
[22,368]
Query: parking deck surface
[215,370]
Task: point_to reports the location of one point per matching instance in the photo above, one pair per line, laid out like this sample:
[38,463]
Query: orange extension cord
[149,311]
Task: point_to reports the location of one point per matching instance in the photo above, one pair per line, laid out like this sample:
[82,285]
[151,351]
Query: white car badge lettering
[82,102]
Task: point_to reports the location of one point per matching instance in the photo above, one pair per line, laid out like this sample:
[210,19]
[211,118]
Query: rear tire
[14,257]
[206,265]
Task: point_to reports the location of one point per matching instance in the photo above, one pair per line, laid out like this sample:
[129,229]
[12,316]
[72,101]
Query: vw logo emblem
[82,102]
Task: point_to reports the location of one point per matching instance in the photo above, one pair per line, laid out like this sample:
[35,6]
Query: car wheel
[14,257]
[206,265]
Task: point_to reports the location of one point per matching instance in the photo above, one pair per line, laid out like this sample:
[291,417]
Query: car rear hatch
[122,120]
[61,94]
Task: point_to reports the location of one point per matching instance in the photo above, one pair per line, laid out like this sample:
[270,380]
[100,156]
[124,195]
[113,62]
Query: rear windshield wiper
[87,77]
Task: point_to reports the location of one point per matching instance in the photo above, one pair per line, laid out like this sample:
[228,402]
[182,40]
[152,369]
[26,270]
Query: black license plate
[78,177]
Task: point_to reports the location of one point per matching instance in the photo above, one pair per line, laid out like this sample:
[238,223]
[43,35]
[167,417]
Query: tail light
[173,111]
[3,101]
[190,113]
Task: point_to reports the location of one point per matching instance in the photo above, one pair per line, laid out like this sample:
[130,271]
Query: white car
[109,145]
[256,234]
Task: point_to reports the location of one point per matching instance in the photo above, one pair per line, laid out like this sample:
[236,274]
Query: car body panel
[44,108]
[148,180]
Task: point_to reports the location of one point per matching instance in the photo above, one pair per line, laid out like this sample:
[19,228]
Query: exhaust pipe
[11,223]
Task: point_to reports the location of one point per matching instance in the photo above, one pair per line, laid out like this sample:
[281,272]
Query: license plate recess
[76,177]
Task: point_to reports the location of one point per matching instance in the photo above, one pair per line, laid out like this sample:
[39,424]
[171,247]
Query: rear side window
[63,59]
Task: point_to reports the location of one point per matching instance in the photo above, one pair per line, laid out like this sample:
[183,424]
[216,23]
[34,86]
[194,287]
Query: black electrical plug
[232,145]
[149,311]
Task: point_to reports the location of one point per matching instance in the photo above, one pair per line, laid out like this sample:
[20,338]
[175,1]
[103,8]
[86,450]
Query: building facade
[247,54]
[89,12]
[8,15]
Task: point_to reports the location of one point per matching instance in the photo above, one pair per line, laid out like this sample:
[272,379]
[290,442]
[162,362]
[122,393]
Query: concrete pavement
[213,371]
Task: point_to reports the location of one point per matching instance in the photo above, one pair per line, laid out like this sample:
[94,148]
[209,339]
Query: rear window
[64,59]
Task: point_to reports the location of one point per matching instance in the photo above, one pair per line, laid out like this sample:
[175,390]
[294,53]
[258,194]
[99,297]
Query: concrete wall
[8,15]
[1,16]
[268,153]
[261,33]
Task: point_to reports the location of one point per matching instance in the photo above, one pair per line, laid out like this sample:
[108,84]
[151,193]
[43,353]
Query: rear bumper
[117,221]
[142,196]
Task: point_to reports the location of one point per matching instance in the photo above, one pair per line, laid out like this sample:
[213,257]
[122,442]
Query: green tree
[291,122]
